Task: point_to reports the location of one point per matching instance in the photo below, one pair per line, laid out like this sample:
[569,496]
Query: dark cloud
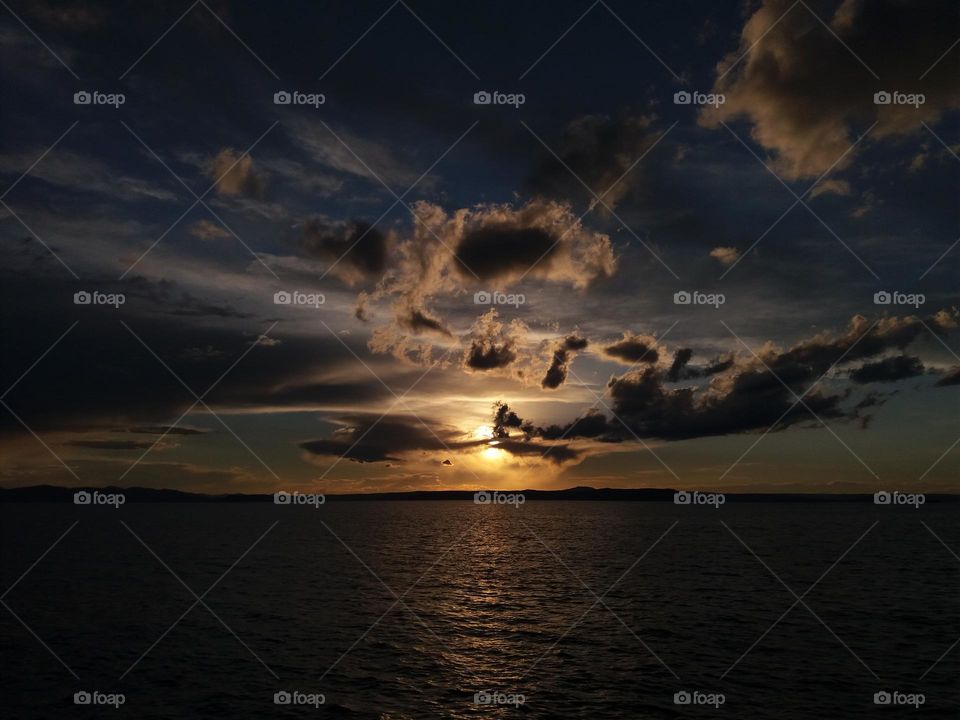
[493,345]
[167,430]
[358,248]
[99,376]
[680,359]
[368,439]
[562,355]
[363,439]
[503,419]
[951,378]
[634,349]
[420,320]
[495,251]
[888,369]
[487,247]
[111,444]
[557,454]
[753,394]
[600,150]
[592,425]
[805,92]
[489,356]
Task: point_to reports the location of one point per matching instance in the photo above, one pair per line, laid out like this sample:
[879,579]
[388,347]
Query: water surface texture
[409,609]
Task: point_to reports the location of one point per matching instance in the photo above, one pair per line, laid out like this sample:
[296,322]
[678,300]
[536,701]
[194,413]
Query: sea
[451,609]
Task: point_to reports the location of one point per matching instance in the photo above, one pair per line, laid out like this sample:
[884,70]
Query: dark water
[493,598]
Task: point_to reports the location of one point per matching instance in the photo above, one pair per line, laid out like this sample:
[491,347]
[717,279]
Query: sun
[491,453]
[482,432]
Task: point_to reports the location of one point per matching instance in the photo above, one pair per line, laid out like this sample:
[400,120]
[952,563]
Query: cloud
[357,249]
[207,230]
[235,174]
[379,160]
[362,438]
[680,359]
[167,430]
[421,320]
[541,239]
[601,151]
[633,349]
[365,438]
[501,243]
[111,444]
[951,378]
[748,394]
[891,369]
[726,255]
[497,250]
[563,354]
[95,371]
[83,174]
[805,93]
[493,344]
[487,247]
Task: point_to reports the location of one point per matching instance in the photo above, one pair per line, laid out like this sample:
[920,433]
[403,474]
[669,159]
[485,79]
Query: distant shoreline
[57,494]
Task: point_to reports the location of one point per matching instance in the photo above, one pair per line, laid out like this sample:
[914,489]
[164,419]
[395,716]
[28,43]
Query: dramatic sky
[584,210]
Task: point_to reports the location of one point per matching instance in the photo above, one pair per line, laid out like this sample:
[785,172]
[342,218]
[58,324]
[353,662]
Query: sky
[688,245]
